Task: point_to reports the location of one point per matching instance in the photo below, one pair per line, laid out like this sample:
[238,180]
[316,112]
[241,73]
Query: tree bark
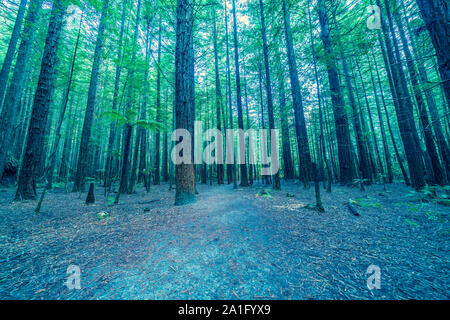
[345,149]
[184,101]
[26,188]
[82,166]
[276,175]
[243,165]
[14,93]
[7,61]
[299,116]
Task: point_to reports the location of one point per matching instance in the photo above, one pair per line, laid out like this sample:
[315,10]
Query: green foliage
[264,193]
[103,215]
[129,118]
[411,223]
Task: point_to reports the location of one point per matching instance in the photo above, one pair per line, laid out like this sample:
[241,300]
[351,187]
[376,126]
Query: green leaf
[114,116]
[150,124]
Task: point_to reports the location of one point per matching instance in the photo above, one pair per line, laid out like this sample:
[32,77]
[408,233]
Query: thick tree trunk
[438,174]
[26,188]
[14,93]
[404,110]
[435,13]
[184,101]
[345,149]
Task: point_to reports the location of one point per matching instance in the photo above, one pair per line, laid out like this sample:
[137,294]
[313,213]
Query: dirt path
[230,244]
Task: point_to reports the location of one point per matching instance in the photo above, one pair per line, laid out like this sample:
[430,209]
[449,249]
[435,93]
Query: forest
[224,149]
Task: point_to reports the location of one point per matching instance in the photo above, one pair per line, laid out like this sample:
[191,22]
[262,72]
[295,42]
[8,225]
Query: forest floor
[230,244]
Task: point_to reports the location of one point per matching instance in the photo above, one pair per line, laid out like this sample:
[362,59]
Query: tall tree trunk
[7,61]
[50,169]
[443,146]
[220,176]
[435,13]
[299,116]
[438,173]
[404,111]
[276,175]
[288,166]
[184,101]
[231,168]
[387,155]
[345,149]
[243,165]
[157,178]
[14,93]
[128,130]
[364,165]
[26,188]
[165,164]
[143,133]
[322,153]
[113,125]
[372,127]
[82,165]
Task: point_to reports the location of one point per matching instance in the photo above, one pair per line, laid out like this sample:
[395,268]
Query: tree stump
[90,196]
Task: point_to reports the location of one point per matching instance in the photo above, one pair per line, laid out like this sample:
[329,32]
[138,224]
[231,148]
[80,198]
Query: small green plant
[103,215]
[264,193]
[412,223]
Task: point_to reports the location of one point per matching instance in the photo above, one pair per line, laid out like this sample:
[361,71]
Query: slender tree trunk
[364,165]
[243,165]
[157,178]
[288,166]
[322,153]
[113,125]
[128,130]
[7,61]
[82,165]
[387,155]
[143,132]
[220,175]
[231,168]
[299,116]
[275,175]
